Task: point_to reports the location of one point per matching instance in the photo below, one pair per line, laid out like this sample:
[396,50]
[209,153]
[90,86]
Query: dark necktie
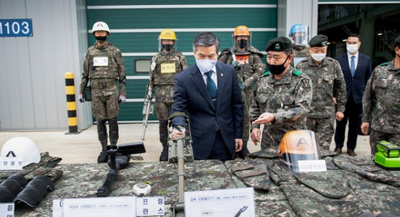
[212,88]
[352,66]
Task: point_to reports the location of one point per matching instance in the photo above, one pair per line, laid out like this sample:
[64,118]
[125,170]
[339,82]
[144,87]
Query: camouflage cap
[279,44]
[319,41]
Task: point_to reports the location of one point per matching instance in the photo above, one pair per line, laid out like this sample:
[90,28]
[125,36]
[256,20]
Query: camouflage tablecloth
[83,180]
[364,186]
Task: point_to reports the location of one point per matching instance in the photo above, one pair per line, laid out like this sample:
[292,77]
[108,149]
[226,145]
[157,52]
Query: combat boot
[164,153]
[103,156]
[164,140]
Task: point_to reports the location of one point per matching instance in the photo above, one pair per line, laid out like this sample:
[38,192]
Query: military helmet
[167,34]
[296,28]
[241,31]
[299,35]
[100,26]
[21,147]
[298,145]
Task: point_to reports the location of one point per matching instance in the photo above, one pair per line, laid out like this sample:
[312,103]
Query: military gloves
[81,99]
[122,99]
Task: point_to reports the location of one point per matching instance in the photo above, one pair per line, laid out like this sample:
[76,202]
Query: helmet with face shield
[167,40]
[298,145]
[241,37]
[299,35]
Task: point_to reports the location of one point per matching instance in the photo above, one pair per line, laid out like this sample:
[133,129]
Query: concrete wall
[32,84]
[291,12]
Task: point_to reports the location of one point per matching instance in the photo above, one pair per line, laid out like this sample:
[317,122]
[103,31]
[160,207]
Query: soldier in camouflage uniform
[327,79]
[104,66]
[299,35]
[249,67]
[282,97]
[164,66]
[381,102]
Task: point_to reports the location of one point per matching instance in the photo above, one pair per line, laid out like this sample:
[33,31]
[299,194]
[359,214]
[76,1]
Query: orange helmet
[298,142]
[241,31]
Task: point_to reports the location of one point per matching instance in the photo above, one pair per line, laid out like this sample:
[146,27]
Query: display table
[290,198]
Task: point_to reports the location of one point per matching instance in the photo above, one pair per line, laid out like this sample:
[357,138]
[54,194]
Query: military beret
[319,41]
[279,44]
[397,41]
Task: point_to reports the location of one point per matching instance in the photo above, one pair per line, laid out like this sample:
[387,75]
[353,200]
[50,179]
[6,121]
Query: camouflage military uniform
[289,99]
[327,79]
[164,67]
[381,104]
[104,89]
[248,73]
[299,54]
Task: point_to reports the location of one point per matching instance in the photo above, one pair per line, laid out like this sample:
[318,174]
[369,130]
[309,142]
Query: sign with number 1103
[16,28]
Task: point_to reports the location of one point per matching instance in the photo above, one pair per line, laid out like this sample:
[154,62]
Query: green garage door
[135,26]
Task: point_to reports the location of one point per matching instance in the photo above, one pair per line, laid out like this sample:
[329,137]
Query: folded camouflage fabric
[366,168]
[331,184]
[44,167]
[326,153]
[253,173]
[270,153]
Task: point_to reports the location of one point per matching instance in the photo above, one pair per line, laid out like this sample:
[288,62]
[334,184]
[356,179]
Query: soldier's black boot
[103,156]
[102,134]
[164,140]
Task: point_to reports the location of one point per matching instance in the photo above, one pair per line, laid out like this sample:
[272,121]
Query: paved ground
[84,147]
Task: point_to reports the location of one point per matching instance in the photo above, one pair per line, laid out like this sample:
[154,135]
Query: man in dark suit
[357,69]
[209,94]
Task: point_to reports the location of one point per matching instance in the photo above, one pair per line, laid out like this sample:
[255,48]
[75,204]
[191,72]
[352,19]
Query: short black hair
[206,39]
[355,36]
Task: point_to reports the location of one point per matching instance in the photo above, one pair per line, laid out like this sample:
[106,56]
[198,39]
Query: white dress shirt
[355,59]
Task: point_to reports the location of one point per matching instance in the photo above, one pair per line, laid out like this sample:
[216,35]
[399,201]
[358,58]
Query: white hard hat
[21,147]
[100,26]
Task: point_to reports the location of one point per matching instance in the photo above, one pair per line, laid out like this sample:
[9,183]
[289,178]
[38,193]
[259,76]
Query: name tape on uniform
[100,61]
[168,68]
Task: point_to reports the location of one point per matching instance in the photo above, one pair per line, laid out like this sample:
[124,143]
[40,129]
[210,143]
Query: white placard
[11,163]
[7,210]
[220,203]
[57,208]
[99,207]
[150,206]
[100,61]
[312,166]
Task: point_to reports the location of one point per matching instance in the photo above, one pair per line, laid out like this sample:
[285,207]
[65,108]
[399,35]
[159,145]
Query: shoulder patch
[384,64]
[297,72]
[266,73]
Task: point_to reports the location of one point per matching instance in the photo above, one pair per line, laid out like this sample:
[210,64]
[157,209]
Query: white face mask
[205,65]
[352,48]
[318,56]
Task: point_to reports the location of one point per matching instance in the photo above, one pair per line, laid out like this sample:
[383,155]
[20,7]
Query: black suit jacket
[191,96]
[356,85]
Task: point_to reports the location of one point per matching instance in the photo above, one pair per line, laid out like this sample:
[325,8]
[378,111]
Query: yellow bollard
[71,104]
